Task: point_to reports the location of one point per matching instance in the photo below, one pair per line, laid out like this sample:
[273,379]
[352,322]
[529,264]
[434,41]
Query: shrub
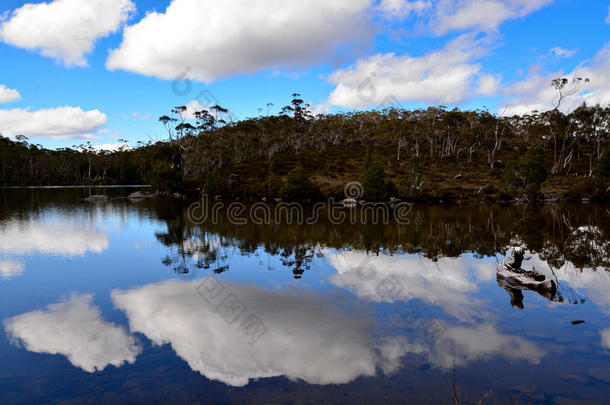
[372,178]
[298,187]
[533,168]
[488,189]
[163,177]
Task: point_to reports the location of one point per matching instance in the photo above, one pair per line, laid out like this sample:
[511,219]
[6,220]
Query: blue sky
[244,54]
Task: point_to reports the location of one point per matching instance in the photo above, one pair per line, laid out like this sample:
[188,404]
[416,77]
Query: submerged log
[511,277]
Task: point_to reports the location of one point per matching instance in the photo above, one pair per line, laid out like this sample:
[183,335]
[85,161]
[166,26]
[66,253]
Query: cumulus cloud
[488,85]
[63,238]
[65,30]
[55,123]
[448,76]
[482,15]
[10,269]
[448,283]
[308,336]
[211,39]
[75,329]
[536,93]
[8,95]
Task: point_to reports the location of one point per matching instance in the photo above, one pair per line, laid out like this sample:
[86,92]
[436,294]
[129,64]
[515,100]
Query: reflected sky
[58,235]
[10,269]
[135,291]
[74,328]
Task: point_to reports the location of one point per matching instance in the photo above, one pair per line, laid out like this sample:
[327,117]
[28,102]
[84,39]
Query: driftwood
[514,279]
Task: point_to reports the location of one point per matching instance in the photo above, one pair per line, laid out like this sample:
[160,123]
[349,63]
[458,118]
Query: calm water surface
[130,302]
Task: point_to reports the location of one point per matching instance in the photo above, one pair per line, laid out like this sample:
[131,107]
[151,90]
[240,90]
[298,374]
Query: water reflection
[74,328]
[460,345]
[308,336]
[10,269]
[60,235]
[606,338]
[348,304]
[449,283]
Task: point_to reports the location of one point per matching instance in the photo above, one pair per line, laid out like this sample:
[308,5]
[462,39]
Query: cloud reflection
[11,269]
[75,329]
[63,238]
[482,342]
[606,338]
[309,337]
[449,283]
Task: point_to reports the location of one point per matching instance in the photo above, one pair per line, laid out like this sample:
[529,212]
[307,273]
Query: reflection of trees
[559,234]
[578,234]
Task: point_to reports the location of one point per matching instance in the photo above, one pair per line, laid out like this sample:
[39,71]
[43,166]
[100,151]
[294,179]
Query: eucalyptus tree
[560,125]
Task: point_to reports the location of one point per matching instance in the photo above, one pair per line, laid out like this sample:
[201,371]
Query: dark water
[130,302]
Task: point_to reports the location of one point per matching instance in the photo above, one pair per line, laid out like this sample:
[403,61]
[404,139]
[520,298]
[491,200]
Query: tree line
[409,150]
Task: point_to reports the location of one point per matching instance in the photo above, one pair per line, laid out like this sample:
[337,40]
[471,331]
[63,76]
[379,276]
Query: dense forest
[426,154]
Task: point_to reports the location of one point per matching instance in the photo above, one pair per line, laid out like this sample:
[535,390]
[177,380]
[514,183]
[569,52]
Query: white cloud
[536,93]
[112,147]
[608,18]
[403,8]
[55,123]
[561,52]
[65,30]
[211,39]
[10,269]
[58,237]
[482,15]
[488,85]
[8,95]
[446,76]
[192,107]
[308,336]
[75,329]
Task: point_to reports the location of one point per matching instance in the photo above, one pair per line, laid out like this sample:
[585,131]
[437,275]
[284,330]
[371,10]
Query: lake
[142,301]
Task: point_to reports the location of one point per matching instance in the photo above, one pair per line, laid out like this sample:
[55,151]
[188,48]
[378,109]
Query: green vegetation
[428,154]
[298,187]
[603,167]
[372,179]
